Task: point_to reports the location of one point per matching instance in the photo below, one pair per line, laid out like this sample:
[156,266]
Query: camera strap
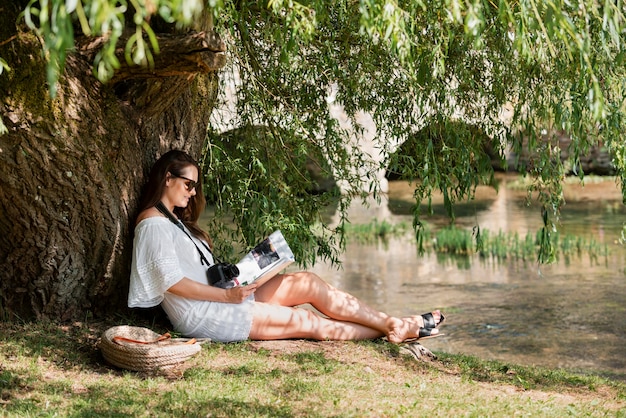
[169,215]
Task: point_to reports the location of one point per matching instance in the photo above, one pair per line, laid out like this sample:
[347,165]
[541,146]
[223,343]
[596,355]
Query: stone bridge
[597,161]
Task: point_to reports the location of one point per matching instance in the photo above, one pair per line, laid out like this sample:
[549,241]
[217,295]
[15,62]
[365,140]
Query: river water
[568,315]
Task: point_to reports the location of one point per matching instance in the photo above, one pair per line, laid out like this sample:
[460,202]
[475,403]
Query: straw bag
[141,349]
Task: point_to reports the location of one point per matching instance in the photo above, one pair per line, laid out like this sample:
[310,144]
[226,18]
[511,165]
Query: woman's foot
[433,319]
[428,320]
[410,329]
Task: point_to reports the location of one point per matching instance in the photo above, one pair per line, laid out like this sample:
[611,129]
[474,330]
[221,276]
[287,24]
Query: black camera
[222,275]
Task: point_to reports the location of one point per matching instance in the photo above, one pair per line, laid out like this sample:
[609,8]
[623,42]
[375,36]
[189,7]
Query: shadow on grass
[171,406]
[31,354]
[69,345]
[102,402]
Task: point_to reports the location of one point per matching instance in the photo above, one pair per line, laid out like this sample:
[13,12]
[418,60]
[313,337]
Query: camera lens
[233,271]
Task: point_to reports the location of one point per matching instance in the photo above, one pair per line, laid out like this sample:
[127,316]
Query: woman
[169,267]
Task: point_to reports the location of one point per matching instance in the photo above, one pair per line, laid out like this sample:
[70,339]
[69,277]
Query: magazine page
[265,260]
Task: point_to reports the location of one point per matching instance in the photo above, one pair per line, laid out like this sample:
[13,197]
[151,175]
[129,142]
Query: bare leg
[349,318]
[275,322]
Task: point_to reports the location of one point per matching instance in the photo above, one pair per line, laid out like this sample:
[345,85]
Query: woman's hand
[238,294]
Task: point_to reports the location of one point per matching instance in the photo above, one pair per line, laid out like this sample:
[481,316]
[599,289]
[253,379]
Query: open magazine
[265,260]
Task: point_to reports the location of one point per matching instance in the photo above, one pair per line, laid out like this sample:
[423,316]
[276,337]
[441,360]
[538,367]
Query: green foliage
[497,247]
[447,156]
[57,21]
[54,23]
[453,241]
[419,71]
[513,71]
[3,67]
[258,179]
[374,231]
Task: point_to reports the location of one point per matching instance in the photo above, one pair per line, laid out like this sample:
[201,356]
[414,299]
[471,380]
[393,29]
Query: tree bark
[72,168]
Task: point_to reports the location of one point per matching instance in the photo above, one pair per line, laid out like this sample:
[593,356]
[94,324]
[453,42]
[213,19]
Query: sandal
[424,334]
[429,320]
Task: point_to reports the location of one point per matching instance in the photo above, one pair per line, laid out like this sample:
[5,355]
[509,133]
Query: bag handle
[163,337]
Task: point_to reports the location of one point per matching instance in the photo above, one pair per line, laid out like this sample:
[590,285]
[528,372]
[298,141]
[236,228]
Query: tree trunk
[72,168]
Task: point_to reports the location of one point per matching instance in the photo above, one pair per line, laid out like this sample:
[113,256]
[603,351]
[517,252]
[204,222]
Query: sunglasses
[189,183]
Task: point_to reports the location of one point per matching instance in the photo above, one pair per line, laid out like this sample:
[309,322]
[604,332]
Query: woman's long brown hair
[175,162]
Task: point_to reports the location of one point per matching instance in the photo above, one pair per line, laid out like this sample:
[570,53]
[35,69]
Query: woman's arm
[190,289]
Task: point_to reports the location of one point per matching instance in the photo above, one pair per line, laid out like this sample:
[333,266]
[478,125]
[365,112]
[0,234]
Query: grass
[497,247]
[49,369]
[374,231]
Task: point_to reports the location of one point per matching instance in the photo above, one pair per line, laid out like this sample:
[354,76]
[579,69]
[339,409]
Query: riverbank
[48,369]
[570,314]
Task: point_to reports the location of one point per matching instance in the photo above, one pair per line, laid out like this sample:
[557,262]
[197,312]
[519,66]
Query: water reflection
[570,315]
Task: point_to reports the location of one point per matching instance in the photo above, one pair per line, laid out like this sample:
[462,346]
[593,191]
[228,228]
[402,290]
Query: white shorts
[222,322]
[227,322]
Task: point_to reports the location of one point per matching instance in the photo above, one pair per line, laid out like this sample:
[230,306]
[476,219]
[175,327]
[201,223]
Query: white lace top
[162,256]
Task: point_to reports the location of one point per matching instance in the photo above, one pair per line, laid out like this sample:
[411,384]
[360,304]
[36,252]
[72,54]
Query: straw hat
[141,349]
